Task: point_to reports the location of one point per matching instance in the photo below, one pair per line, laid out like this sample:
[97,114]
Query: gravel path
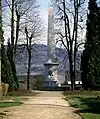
[46,105]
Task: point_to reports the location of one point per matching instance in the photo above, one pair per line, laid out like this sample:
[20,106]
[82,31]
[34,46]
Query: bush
[39,81]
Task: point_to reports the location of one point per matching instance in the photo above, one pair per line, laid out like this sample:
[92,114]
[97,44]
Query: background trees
[23,14]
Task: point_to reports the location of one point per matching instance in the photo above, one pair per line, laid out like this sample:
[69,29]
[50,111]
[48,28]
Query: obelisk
[51,64]
[51,36]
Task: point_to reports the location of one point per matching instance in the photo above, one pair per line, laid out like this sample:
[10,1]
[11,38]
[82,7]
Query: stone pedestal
[51,74]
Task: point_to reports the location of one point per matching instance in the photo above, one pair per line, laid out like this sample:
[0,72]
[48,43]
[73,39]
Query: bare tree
[33,29]
[23,8]
[17,13]
[70,18]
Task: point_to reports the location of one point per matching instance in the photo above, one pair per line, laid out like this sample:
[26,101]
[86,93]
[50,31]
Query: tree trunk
[17,31]
[10,50]
[76,6]
[12,26]
[74,72]
[29,60]
[71,71]
[13,67]
[28,73]
[69,48]
[1,41]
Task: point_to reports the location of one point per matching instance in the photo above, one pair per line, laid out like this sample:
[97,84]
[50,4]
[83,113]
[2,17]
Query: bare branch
[80,3]
[66,16]
[83,43]
[62,43]
[8,4]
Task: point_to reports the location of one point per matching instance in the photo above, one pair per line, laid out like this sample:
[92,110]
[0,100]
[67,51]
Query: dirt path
[46,105]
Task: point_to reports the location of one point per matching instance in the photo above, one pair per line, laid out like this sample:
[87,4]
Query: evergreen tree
[12,64]
[87,61]
[94,64]
[6,73]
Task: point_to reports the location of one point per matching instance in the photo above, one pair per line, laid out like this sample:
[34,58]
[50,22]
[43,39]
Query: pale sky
[44,5]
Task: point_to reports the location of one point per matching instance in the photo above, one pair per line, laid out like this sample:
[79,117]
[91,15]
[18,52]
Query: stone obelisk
[51,36]
[51,64]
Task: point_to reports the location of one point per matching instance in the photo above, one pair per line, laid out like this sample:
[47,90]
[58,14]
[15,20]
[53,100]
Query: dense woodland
[32,28]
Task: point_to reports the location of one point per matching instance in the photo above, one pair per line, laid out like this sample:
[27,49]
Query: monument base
[51,77]
[49,84]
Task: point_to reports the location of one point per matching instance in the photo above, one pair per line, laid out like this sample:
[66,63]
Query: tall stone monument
[51,64]
[51,36]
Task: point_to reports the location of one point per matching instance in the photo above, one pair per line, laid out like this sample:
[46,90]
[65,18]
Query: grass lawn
[86,102]
[8,101]
[9,104]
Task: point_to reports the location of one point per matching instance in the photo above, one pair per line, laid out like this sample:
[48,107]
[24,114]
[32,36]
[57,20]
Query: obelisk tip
[50,9]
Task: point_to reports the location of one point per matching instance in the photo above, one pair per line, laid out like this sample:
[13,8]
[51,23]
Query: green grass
[87,103]
[9,104]
[81,93]
[14,98]
[8,101]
